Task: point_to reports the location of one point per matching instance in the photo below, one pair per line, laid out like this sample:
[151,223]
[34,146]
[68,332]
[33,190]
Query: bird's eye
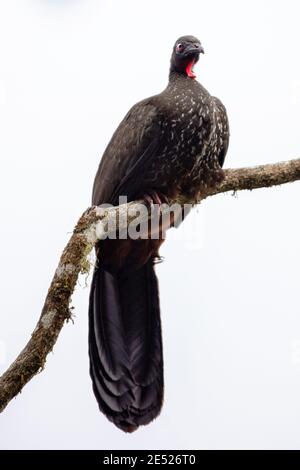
[179,47]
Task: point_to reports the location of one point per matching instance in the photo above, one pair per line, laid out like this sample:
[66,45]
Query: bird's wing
[223,121]
[128,154]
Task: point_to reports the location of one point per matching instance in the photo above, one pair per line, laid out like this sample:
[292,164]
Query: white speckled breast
[195,135]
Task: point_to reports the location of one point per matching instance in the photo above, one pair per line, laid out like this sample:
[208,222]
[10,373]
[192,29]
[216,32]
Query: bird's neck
[174,75]
[179,77]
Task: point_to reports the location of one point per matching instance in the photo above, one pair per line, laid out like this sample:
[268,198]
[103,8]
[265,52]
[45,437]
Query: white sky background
[69,71]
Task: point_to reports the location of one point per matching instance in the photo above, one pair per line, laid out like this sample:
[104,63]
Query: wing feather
[128,154]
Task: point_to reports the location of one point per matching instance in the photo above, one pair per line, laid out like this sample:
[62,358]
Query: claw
[154,197]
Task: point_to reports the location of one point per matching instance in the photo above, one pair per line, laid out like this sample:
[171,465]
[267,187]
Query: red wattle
[189,70]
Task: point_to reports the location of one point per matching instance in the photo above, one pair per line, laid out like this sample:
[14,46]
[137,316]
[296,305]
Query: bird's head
[186,52]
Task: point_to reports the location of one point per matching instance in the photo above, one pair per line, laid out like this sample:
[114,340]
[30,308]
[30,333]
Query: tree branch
[89,229]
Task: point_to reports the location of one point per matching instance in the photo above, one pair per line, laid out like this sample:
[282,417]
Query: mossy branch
[87,232]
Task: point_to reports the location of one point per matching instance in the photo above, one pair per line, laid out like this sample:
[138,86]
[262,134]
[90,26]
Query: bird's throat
[189,69]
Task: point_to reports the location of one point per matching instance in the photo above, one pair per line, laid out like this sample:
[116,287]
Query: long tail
[125,346]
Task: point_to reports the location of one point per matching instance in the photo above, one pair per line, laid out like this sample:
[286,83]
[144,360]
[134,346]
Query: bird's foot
[152,197]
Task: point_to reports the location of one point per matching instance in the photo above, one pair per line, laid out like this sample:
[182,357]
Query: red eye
[179,48]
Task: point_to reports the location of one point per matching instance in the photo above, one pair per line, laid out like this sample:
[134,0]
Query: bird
[170,146]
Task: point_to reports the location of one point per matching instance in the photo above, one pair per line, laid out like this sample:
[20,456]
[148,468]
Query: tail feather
[125,346]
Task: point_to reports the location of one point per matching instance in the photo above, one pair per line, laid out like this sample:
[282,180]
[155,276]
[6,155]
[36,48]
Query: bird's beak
[194,49]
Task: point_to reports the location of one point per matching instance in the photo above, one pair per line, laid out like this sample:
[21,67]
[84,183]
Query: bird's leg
[157,226]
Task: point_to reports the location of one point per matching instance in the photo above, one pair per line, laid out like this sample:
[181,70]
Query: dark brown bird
[171,145]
